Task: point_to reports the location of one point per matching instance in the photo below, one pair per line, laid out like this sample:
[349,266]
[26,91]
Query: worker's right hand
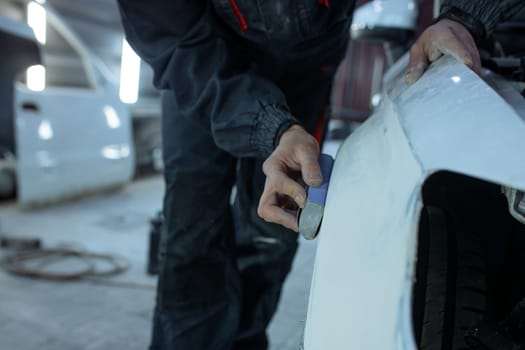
[444,37]
[292,164]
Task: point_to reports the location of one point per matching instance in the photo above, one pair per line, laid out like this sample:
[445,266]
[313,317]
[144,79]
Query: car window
[63,66]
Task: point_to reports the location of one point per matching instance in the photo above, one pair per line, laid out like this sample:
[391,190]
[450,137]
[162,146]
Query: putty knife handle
[310,217]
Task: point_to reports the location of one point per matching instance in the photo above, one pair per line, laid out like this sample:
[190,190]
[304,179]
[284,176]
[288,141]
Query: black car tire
[450,290]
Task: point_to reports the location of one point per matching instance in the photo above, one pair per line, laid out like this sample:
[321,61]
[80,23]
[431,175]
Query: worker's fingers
[417,64]
[280,183]
[299,149]
[308,159]
[297,153]
[272,210]
[443,38]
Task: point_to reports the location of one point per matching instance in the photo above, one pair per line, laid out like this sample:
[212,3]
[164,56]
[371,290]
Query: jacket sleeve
[489,12]
[245,112]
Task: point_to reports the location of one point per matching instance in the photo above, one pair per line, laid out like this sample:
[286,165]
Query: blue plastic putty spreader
[311,215]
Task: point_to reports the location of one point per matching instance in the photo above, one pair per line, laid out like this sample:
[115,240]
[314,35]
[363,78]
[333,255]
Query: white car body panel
[450,119]
[69,146]
[71,141]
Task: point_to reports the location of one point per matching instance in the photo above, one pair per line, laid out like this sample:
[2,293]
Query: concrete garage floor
[114,313]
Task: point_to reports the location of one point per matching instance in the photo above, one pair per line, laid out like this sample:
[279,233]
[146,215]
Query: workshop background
[81,185]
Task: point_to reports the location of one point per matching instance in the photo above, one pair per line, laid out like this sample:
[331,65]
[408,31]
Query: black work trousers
[222,267]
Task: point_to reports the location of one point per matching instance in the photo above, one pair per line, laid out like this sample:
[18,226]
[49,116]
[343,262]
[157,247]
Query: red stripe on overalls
[242,21]
[240,17]
[319,131]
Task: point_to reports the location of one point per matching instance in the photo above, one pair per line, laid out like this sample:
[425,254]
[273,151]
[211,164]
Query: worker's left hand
[444,37]
[293,164]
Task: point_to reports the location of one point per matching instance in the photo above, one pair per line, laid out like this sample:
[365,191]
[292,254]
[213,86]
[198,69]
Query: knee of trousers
[198,284]
[197,212]
[196,245]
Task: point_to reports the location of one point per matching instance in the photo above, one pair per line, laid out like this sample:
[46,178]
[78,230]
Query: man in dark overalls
[246,85]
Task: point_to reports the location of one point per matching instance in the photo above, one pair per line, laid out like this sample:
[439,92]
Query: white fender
[451,119]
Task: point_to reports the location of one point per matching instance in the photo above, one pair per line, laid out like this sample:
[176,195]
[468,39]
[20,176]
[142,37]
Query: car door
[74,135]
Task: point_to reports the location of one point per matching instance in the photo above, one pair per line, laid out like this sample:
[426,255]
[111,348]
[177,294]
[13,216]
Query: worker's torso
[286,25]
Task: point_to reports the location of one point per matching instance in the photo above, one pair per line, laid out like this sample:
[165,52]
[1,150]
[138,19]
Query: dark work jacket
[206,51]
[489,12]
